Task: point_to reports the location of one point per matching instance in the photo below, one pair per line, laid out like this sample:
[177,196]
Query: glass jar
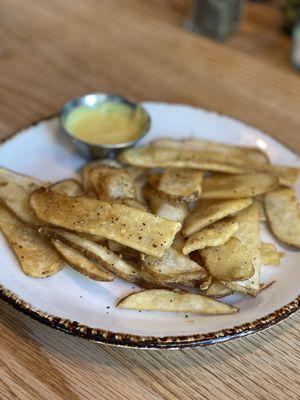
[214,18]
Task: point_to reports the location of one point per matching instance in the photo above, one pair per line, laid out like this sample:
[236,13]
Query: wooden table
[53,50]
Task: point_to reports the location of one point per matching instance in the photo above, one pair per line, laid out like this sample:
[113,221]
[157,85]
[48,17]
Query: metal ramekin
[98,151]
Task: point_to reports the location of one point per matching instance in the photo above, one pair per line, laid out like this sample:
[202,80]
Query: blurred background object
[295,57]
[215,18]
[291,12]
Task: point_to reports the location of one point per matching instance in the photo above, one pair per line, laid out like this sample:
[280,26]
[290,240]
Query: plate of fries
[192,238]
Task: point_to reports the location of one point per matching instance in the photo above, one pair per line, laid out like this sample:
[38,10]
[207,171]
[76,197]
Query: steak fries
[181,219]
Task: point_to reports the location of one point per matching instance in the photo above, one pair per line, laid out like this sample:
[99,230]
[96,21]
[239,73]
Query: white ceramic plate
[80,306]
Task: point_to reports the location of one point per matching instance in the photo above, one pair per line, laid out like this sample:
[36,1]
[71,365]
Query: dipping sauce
[107,123]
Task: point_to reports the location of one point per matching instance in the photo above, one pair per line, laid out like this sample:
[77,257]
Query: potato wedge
[181,184]
[214,235]
[86,182]
[70,187]
[153,157]
[112,183]
[35,255]
[287,176]
[95,252]
[249,234]
[270,255]
[87,168]
[228,262]
[134,203]
[80,263]
[172,264]
[283,215]
[172,301]
[238,186]
[212,212]
[251,153]
[148,282]
[15,190]
[218,289]
[16,198]
[134,228]
[26,182]
[250,159]
[164,208]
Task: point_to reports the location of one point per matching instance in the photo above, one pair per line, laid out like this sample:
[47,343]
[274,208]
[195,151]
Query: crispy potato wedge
[249,234]
[134,228]
[134,203]
[87,168]
[115,182]
[164,208]
[212,212]
[228,262]
[218,289]
[181,184]
[252,154]
[270,255]
[153,157]
[112,183]
[287,176]
[26,182]
[238,186]
[283,215]
[184,279]
[16,198]
[172,264]
[148,282]
[15,190]
[214,235]
[86,183]
[70,187]
[80,263]
[35,255]
[173,301]
[95,252]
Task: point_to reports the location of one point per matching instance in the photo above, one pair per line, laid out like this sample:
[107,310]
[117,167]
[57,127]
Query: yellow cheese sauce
[109,123]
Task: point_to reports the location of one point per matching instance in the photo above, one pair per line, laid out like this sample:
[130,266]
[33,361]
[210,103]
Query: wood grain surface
[53,50]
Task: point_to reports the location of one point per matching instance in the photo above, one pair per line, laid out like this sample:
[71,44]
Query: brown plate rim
[145,342]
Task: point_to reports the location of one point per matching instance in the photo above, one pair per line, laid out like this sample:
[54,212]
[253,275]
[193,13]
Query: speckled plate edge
[143,342]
